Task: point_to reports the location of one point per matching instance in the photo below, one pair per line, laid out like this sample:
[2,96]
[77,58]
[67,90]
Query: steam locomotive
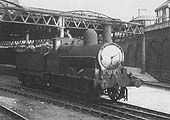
[89,69]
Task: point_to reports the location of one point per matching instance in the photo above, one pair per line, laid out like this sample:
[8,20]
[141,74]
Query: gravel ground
[8,79]
[4,116]
[145,96]
[38,110]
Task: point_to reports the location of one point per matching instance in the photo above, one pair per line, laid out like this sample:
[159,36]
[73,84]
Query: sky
[121,9]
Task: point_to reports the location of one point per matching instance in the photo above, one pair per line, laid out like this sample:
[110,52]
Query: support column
[169,14]
[62,26]
[143,54]
[27,38]
[62,32]
[107,29]
[55,42]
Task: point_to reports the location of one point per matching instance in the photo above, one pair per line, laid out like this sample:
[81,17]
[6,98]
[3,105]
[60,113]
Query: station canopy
[16,21]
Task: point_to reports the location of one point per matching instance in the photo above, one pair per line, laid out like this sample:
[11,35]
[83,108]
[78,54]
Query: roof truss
[78,19]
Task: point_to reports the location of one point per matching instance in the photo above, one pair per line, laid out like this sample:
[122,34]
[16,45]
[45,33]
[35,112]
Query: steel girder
[35,18]
[73,19]
[127,29]
[26,16]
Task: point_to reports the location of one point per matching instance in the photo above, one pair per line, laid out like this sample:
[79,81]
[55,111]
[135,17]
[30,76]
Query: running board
[137,72]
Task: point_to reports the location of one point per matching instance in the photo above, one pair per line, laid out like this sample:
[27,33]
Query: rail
[12,113]
[104,109]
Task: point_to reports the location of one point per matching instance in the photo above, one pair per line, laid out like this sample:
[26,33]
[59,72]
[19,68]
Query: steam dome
[90,37]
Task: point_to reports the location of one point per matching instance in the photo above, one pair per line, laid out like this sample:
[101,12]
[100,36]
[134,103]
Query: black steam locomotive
[89,69]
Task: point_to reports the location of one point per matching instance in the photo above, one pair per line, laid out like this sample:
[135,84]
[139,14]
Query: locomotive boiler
[89,69]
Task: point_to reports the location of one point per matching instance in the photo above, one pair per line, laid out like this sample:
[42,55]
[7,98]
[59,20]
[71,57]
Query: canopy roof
[16,21]
[163,5]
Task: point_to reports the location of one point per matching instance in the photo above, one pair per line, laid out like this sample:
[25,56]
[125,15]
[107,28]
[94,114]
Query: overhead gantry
[26,23]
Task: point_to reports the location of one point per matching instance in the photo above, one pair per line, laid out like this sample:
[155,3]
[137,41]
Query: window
[167,14]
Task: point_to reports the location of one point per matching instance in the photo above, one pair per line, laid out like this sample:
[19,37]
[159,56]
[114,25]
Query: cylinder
[107,29]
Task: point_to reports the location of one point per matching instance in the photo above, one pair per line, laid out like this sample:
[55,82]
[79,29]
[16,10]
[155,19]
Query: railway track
[133,112]
[11,114]
[104,109]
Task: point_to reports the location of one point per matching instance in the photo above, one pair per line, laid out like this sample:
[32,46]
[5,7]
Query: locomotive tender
[89,69]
